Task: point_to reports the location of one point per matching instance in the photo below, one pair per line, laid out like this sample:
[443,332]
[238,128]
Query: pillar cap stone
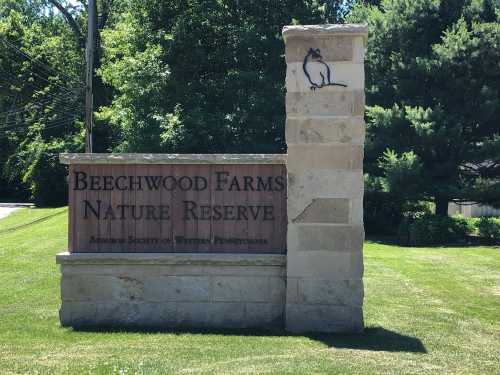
[327,30]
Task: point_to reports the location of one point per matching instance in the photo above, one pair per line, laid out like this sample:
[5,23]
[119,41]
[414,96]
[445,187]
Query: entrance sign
[177,208]
[232,241]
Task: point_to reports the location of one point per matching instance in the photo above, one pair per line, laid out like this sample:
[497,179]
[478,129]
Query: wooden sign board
[205,208]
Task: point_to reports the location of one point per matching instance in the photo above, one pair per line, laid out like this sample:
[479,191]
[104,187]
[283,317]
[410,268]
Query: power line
[55,124]
[36,105]
[63,115]
[59,105]
[56,95]
[69,111]
[66,123]
[36,85]
[49,82]
[12,120]
[39,106]
[34,60]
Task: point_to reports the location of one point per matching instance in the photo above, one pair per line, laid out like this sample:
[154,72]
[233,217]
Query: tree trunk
[441,206]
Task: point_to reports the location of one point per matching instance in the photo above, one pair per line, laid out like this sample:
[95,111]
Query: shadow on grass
[372,338]
[470,241]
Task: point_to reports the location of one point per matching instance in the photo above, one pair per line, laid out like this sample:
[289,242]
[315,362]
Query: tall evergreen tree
[433,87]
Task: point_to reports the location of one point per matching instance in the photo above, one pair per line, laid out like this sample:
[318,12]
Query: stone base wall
[173,290]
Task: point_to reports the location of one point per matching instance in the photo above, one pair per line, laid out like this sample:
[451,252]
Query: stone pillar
[325,135]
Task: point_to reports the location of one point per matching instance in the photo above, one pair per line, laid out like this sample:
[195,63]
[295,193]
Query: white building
[472,210]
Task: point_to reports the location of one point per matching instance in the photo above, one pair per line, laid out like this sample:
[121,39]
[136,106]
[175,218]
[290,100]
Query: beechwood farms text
[220,181]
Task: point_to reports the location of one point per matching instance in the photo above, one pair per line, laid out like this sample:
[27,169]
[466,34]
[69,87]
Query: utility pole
[89,57]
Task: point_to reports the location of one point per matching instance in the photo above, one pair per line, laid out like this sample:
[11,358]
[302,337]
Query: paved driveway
[7,208]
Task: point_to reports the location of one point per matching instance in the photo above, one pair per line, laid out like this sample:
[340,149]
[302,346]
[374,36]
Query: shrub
[384,211]
[37,165]
[470,222]
[434,230]
[489,228]
[46,178]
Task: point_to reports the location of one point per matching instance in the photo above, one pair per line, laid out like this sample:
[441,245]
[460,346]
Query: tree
[75,15]
[40,100]
[41,96]
[200,76]
[433,90]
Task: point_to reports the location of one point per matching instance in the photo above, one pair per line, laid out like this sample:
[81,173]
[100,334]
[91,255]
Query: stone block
[239,271]
[304,186]
[101,288]
[324,210]
[323,318]
[292,289]
[332,265]
[330,292]
[359,50]
[265,315]
[137,271]
[357,264]
[348,130]
[330,183]
[310,238]
[226,315]
[277,290]
[324,30]
[334,48]
[158,314]
[216,315]
[192,314]
[351,75]
[357,211]
[326,103]
[119,313]
[77,288]
[241,289]
[303,157]
[77,313]
[177,288]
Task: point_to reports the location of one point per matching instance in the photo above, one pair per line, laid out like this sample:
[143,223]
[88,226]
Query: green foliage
[489,228]
[433,89]
[433,230]
[40,101]
[471,222]
[382,213]
[385,210]
[201,76]
[402,173]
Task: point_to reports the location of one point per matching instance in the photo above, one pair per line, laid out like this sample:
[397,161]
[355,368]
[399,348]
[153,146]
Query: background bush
[489,228]
[382,213]
[434,230]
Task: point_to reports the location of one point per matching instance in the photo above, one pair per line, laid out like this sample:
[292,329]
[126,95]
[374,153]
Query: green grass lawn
[427,310]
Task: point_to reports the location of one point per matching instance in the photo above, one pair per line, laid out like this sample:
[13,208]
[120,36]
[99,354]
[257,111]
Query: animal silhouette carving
[317,71]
